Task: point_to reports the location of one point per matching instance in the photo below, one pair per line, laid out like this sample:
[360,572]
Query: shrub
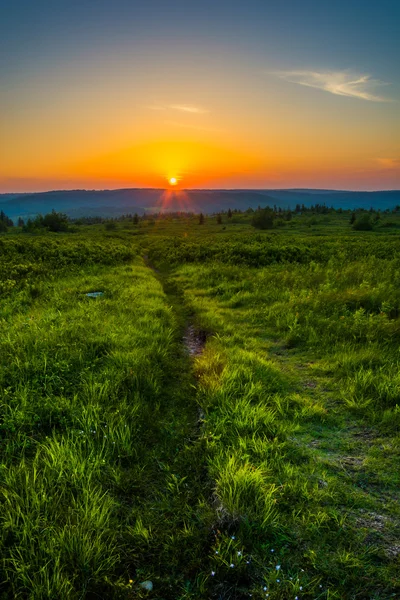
[363,223]
[263,219]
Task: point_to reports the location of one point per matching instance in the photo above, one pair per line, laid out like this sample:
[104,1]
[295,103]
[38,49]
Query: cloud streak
[187,108]
[340,83]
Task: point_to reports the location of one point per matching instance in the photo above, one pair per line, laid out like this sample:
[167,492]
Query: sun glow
[173,180]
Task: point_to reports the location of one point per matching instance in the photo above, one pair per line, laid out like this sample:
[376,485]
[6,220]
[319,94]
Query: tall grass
[282,331]
[268,464]
[92,429]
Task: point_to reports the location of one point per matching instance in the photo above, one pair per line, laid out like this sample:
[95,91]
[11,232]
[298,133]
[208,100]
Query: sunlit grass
[267,464]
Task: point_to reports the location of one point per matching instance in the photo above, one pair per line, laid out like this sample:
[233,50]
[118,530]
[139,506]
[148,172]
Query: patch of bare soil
[351,463]
[392,551]
[379,534]
[371,520]
[365,435]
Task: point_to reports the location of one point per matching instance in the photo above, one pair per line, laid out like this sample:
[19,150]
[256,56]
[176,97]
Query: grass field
[263,464]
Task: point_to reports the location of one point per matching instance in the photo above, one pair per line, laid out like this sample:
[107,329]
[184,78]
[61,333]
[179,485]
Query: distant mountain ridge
[114,203]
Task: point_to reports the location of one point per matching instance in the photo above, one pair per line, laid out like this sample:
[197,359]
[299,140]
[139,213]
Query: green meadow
[221,422]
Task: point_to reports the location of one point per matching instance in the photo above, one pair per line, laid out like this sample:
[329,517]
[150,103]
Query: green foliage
[24,262]
[268,463]
[268,483]
[263,219]
[363,223]
[55,221]
[5,222]
[90,419]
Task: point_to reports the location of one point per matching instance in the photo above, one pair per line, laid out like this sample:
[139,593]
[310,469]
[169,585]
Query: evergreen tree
[7,222]
[201,219]
[219,219]
[229,214]
[55,221]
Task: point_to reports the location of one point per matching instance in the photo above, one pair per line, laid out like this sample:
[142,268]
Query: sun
[173,180]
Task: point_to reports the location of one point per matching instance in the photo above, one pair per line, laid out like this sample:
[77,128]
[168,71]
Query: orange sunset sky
[217,95]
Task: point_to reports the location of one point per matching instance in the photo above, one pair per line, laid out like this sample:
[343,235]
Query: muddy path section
[194,340]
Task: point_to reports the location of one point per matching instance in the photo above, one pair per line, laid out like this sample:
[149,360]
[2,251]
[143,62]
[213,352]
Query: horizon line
[164,189]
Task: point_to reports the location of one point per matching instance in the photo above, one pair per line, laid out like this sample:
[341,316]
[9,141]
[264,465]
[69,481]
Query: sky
[216,94]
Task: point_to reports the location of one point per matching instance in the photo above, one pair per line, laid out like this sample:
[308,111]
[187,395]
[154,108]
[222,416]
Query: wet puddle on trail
[194,340]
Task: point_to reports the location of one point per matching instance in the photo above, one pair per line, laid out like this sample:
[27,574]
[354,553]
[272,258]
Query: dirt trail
[180,459]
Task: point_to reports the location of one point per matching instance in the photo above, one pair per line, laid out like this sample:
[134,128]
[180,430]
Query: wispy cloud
[188,108]
[341,83]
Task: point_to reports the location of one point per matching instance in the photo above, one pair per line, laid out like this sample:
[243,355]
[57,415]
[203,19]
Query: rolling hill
[114,203]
